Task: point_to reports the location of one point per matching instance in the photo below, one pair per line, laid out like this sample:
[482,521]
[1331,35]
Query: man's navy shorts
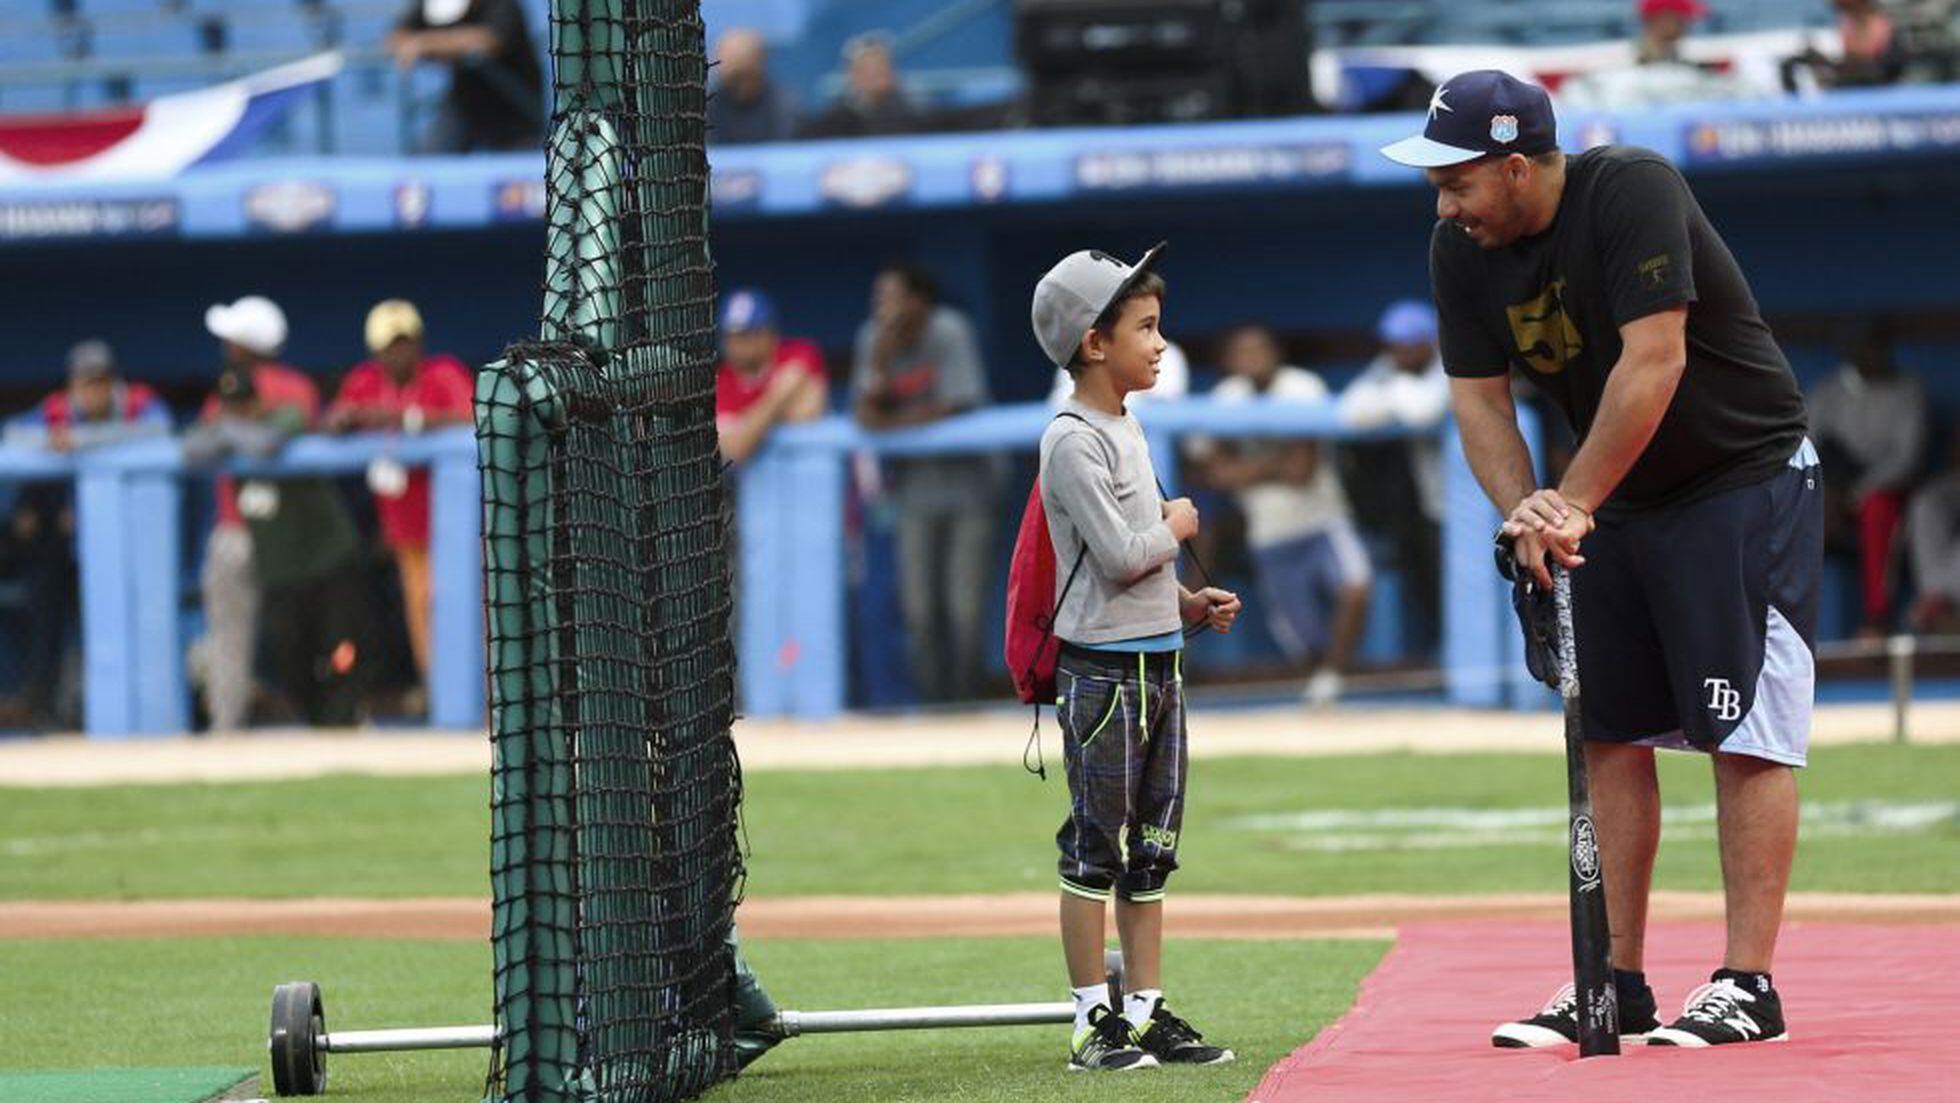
[1697,624]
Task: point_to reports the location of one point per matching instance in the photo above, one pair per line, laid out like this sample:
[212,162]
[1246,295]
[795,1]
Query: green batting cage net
[614,856]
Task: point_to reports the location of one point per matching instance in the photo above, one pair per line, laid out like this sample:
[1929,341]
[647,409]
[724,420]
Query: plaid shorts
[1122,720]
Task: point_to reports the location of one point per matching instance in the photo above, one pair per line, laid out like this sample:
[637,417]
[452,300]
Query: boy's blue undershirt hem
[1166,641]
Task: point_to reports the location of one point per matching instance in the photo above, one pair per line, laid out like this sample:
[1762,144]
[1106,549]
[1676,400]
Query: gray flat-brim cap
[1075,292]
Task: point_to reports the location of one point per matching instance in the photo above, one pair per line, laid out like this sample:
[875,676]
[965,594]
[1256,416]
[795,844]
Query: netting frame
[615,856]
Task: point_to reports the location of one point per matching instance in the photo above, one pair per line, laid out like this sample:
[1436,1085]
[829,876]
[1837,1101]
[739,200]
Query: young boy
[1121,702]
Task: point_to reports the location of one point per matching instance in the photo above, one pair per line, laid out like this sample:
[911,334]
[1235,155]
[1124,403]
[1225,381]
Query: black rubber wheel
[297,1041]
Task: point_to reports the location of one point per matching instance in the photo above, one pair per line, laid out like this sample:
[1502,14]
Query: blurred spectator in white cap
[304,552]
[1403,385]
[874,100]
[403,389]
[38,548]
[251,333]
[1659,73]
[764,379]
[496,84]
[1313,572]
[746,105]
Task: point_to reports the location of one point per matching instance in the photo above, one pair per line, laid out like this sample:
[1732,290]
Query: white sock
[1138,1005]
[1087,999]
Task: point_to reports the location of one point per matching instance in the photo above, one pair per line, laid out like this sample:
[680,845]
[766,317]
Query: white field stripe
[1344,830]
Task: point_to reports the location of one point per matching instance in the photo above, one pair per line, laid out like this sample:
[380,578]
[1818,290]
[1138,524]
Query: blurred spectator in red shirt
[764,378]
[96,407]
[251,333]
[403,389]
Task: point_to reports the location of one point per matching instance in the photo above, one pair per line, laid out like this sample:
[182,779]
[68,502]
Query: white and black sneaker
[1724,1011]
[1557,1023]
[1172,1041]
[1107,1044]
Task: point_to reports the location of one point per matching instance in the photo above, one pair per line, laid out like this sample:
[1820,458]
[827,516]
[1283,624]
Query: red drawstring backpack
[1031,607]
[1032,603]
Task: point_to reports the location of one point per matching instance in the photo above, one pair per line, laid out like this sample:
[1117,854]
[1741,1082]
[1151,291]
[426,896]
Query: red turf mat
[1874,1015]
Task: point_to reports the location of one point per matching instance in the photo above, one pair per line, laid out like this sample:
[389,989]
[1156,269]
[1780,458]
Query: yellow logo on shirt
[1545,336]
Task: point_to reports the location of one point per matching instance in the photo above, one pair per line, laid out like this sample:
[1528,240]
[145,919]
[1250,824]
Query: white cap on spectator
[441,13]
[253,322]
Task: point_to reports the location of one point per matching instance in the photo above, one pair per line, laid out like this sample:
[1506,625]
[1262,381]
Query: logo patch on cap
[1504,129]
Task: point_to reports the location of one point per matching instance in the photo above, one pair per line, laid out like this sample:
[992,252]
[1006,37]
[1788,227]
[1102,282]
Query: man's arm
[742,435]
[1487,420]
[873,414]
[1642,384]
[443,44]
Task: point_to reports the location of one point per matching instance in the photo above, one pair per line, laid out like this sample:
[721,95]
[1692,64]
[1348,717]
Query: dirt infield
[991,736]
[1277,917]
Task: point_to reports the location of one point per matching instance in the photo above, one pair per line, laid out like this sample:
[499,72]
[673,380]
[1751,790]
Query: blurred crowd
[496,95]
[296,625]
[303,580]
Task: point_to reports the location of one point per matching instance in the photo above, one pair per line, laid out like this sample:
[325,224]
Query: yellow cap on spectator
[390,320]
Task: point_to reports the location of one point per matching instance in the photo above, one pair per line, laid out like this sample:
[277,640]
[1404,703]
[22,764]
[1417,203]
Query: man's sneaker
[1557,1023]
[1173,1041]
[1107,1044]
[1723,1011]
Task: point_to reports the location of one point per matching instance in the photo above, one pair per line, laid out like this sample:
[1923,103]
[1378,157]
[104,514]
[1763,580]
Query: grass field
[1882,818]
[1879,819]
[143,1002]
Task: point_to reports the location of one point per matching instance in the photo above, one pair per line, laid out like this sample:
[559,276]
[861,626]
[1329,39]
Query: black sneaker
[1722,1012]
[1173,1041]
[1107,1045]
[1557,1023]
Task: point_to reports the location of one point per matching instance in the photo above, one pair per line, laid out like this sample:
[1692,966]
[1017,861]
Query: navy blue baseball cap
[747,309]
[1477,114]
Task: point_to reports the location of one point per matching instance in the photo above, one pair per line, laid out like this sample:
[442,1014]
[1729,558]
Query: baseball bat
[1592,972]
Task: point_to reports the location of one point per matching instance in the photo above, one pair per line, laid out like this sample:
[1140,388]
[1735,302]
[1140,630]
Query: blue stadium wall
[1819,246]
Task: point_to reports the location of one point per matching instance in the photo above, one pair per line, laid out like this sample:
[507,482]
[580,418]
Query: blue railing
[791,652]
[129,516]
[792,587]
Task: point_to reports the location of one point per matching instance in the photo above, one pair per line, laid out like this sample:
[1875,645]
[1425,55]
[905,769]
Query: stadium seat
[122,40]
[273,32]
[119,7]
[32,99]
[367,113]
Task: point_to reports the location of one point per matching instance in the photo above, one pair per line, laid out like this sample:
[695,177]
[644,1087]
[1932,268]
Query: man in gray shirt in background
[916,362]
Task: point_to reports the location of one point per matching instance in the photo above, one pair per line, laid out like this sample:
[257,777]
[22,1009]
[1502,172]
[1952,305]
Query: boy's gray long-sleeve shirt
[1099,488]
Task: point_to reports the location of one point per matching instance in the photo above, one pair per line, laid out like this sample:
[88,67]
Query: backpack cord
[1189,629]
[1040,769]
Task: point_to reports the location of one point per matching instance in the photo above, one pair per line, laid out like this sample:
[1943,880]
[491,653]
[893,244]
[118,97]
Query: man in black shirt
[1694,490]
[496,86]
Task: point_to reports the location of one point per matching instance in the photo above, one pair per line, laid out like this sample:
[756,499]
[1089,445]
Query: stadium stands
[73,54]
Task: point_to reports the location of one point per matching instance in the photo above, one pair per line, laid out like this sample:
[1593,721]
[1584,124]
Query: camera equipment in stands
[1115,62]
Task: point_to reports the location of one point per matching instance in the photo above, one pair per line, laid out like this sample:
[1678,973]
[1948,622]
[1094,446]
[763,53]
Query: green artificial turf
[166,1085]
[1880,819]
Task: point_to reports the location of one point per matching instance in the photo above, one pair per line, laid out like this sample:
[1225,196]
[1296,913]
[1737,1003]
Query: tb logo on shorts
[1724,700]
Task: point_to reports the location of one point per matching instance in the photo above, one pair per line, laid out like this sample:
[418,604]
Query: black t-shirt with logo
[1629,240]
